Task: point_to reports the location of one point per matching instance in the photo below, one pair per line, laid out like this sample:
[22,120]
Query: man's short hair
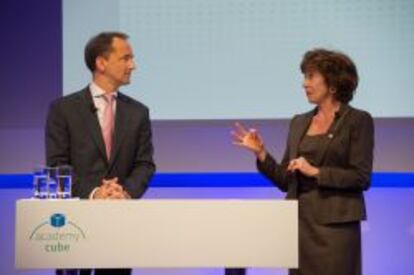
[100,45]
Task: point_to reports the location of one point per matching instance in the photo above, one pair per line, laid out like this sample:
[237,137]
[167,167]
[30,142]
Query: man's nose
[132,65]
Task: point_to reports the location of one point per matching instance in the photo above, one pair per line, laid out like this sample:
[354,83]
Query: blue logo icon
[57,220]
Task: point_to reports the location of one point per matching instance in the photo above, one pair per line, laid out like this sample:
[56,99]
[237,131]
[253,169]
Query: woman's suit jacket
[345,163]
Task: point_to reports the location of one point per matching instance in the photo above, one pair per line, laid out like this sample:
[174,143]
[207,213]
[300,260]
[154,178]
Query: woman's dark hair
[100,45]
[338,70]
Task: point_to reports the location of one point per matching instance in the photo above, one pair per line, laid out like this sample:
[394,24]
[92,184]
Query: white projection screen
[239,59]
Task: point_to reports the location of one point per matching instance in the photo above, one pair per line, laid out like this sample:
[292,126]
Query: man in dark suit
[104,135]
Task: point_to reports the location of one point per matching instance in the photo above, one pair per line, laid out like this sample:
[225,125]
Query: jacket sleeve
[357,173]
[57,137]
[275,171]
[143,168]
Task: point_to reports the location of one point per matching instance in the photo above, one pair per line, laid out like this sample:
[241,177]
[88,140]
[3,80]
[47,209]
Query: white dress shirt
[99,100]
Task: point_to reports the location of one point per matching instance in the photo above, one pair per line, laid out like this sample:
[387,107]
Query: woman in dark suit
[326,166]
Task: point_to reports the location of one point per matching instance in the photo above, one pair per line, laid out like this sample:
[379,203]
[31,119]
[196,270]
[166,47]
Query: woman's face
[315,87]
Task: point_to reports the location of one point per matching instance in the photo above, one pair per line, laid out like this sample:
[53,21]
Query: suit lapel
[332,133]
[321,153]
[121,125]
[87,111]
[298,131]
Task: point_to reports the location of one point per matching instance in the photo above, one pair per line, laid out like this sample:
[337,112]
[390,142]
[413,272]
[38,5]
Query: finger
[126,195]
[236,136]
[253,133]
[117,195]
[106,182]
[104,193]
[241,144]
[259,138]
[104,188]
[115,183]
[115,180]
[100,193]
[116,187]
[301,162]
[240,128]
[305,162]
[292,165]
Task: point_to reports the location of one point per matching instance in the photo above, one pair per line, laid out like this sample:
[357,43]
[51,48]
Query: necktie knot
[109,98]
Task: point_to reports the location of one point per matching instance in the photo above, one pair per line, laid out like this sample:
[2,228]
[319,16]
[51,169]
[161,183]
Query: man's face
[119,64]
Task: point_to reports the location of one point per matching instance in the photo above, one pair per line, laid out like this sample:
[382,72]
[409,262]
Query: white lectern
[156,233]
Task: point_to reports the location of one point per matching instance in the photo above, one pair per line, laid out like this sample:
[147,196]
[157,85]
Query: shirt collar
[97,91]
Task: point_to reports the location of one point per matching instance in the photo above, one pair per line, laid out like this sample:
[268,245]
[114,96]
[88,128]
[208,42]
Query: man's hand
[111,189]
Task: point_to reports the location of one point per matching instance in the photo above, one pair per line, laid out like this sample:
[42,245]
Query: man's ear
[100,63]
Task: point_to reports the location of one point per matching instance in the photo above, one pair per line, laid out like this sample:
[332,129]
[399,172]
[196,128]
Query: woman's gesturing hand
[249,139]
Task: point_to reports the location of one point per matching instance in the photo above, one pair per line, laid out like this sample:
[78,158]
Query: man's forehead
[121,45]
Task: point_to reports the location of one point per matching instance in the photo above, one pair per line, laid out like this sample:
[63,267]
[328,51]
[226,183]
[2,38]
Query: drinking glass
[52,182]
[40,182]
[64,181]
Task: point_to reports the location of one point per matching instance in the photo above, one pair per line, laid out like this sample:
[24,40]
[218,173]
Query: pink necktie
[108,124]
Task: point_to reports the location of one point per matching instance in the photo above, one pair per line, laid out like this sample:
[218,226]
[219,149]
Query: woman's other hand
[302,165]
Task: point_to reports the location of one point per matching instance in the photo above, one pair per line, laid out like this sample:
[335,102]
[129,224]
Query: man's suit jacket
[345,163]
[73,136]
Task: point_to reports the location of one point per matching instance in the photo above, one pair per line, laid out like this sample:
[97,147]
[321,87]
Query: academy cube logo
[57,234]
